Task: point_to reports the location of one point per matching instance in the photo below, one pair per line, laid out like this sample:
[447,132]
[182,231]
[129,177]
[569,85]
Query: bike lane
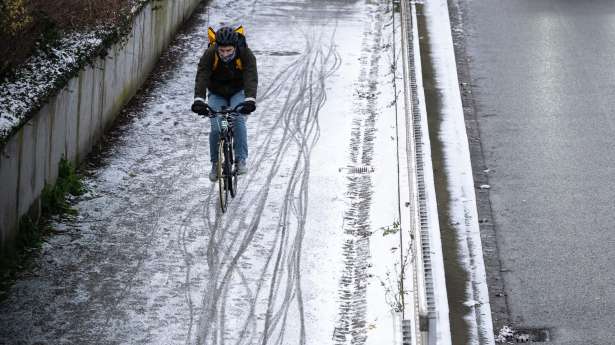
[303,255]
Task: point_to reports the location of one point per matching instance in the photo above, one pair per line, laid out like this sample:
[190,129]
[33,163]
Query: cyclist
[227,70]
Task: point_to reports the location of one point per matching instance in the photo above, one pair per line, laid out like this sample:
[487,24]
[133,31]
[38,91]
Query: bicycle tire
[232,177]
[222,187]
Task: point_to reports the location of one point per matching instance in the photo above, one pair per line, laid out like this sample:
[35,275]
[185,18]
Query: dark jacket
[226,80]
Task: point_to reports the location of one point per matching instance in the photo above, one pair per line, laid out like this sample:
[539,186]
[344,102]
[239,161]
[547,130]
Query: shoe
[241,168]
[213,174]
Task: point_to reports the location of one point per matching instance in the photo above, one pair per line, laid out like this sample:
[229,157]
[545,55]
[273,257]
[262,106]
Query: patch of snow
[33,82]
[504,334]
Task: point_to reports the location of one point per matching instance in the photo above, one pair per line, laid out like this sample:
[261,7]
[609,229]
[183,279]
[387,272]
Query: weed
[29,239]
[391,229]
[32,232]
[53,198]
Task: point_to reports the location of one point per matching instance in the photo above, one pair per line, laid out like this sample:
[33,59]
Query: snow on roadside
[459,171]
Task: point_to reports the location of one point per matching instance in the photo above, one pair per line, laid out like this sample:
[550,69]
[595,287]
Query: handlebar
[224,111]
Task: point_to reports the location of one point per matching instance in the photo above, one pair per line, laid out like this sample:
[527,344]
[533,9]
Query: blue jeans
[239,126]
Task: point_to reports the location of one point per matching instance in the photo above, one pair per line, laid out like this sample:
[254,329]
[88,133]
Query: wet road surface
[540,80]
[301,255]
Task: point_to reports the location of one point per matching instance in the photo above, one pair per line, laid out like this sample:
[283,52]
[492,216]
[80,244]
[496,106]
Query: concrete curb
[461,189]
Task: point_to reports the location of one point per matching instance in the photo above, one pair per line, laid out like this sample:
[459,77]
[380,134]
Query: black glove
[200,107]
[247,107]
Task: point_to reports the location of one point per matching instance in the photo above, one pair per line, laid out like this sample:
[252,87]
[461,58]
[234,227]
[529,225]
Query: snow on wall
[70,122]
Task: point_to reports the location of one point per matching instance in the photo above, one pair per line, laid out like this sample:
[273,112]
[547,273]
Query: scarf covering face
[229,58]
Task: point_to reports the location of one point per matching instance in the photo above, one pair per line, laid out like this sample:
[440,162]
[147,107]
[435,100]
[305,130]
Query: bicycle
[225,167]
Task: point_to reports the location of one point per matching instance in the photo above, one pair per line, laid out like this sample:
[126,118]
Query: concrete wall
[73,121]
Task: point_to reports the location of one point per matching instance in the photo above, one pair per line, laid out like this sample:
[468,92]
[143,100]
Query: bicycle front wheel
[232,168]
[222,179]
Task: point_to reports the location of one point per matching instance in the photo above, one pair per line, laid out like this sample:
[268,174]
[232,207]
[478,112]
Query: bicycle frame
[226,172]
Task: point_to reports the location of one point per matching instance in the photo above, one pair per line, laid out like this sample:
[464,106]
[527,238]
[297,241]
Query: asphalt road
[541,78]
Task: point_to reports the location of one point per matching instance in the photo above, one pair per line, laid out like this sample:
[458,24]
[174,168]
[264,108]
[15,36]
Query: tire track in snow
[150,225]
[147,225]
[159,225]
[298,124]
[351,326]
[299,186]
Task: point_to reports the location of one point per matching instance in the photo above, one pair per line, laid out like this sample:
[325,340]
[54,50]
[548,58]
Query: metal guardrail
[426,322]
[415,306]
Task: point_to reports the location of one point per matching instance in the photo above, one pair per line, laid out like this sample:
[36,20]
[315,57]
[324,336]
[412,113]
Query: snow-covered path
[301,255]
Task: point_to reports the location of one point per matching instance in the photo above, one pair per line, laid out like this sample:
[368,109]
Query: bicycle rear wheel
[222,179]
